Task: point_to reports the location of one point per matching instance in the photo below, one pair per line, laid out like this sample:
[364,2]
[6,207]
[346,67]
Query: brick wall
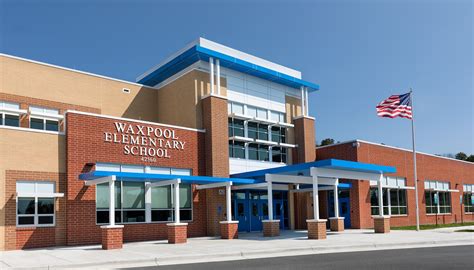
[305,138]
[33,237]
[85,144]
[428,167]
[217,157]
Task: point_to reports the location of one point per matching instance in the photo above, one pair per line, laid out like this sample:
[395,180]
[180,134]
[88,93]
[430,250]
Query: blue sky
[359,52]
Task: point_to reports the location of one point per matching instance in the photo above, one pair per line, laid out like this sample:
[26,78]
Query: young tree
[470,158]
[327,141]
[461,156]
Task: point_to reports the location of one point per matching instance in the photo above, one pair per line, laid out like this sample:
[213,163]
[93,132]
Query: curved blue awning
[151,177]
[303,168]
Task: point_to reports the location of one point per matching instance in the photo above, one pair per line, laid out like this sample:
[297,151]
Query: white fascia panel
[247,57]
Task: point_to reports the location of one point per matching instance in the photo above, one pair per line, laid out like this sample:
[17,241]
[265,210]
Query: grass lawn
[433,226]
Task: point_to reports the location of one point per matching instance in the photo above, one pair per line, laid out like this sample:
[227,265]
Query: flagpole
[414,161]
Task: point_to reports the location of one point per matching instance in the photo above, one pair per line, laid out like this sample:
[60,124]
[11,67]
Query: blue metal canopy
[198,52]
[327,163]
[151,177]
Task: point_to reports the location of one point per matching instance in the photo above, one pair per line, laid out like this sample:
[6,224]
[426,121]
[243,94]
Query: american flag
[395,106]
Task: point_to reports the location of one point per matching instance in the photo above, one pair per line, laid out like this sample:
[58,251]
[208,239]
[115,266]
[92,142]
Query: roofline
[393,147]
[74,70]
[210,45]
[135,120]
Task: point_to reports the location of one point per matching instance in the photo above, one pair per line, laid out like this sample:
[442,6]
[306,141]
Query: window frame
[148,210]
[468,202]
[36,215]
[36,112]
[387,208]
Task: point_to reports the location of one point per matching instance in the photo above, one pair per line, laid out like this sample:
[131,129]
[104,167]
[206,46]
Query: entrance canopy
[321,175]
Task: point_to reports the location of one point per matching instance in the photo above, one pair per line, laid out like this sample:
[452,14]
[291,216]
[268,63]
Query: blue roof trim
[327,163]
[142,177]
[197,52]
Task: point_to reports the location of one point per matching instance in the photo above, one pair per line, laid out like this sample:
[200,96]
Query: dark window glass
[263,153]
[45,220]
[26,220]
[276,134]
[103,217]
[36,123]
[161,215]
[253,149]
[252,130]
[239,128]
[26,206]
[230,127]
[186,214]
[12,120]
[45,205]
[52,125]
[263,132]
[236,149]
[132,216]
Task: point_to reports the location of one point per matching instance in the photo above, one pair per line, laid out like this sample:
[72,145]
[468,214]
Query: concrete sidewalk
[250,245]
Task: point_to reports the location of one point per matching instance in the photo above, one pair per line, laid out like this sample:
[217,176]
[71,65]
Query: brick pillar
[214,115]
[305,138]
[177,233]
[112,236]
[382,224]
[316,228]
[271,228]
[336,224]
[229,229]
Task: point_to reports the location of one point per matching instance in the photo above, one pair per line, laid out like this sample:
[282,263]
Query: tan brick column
[382,224]
[316,228]
[305,138]
[214,115]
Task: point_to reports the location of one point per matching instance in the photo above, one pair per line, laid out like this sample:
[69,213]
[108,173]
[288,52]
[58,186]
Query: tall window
[44,118]
[468,198]
[278,134]
[131,198]
[236,149]
[8,114]
[374,201]
[437,197]
[36,206]
[279,154]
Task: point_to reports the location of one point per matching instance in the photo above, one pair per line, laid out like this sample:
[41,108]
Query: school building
[210,142]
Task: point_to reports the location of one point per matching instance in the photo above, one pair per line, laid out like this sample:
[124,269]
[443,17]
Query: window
[437,197]
[279,154]
[262,132]
[131,198]
[236,108]
[35,203]
[236,127]
[7,114]
[278,134]
[468,198]
[236,149]
[374,201]
[258,152]
[44,118]
[394,201]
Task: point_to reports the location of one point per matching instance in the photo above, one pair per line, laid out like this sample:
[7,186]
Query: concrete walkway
[250,245]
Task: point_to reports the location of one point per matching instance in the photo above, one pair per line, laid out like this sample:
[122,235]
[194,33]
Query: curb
[232,256]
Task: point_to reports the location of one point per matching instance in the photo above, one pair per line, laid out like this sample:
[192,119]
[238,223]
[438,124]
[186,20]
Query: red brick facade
[317,229]
[177,233]
[271,228]
[86,146]
[429,167]
[229,230]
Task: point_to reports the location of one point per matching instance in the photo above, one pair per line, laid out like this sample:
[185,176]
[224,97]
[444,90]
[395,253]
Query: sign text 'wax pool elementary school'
[145,141]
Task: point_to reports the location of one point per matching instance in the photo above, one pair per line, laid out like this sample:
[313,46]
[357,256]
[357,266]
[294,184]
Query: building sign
[145,141]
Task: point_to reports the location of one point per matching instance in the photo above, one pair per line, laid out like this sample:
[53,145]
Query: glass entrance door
[344,206]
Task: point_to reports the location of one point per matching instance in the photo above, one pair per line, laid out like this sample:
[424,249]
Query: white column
[336,200]
[306,101]
[302,101]
[218,76]
[211,74]
[315,198]
[270,197]
[112,201]
[177,218]
[228,201]
[437,202]
[380,192]
[389,203]
[147,202]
